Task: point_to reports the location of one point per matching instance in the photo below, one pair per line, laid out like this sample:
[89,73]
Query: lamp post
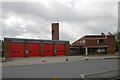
[118,47]
[118,41]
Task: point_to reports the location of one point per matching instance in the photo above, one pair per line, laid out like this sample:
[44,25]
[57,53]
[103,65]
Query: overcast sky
[76,18]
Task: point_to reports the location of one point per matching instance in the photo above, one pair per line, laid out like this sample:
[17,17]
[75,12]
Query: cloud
[0,20]
[119,17]
[76,18]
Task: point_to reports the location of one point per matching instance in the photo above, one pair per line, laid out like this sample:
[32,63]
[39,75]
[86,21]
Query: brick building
[95,44]
[19,47]
[89,44]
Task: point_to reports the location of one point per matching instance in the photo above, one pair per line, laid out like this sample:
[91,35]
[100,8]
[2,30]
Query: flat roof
[97,35]
[41,40]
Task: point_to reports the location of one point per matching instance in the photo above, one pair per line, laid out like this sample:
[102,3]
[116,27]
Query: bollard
[43,60]
[4,59]
[86,58]
[66,58]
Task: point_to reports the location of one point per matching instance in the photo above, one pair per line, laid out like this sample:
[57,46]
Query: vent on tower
[55,31]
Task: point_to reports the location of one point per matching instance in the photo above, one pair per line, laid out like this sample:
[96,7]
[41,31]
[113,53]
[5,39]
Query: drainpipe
[106,42]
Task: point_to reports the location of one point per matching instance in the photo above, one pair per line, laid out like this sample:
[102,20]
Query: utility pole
[119,47]
[118,38]
[118,41]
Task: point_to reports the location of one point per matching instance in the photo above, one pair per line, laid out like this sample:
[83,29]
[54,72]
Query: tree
[0,44]
[0,48]
[117,37]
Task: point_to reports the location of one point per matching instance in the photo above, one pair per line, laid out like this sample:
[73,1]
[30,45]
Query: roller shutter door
[60,48]
[17,49]
[34,49]
[48,49]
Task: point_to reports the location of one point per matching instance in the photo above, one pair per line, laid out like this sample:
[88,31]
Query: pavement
[105,74]
[53,59]
[90,69]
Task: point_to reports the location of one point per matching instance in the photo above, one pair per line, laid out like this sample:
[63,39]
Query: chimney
[55,31]
[110,33]
[102,34]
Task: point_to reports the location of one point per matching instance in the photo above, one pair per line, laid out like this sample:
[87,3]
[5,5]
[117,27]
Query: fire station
[18,47]
[88,44]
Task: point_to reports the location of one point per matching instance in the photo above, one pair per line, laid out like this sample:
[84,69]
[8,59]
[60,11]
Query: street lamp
[119,47]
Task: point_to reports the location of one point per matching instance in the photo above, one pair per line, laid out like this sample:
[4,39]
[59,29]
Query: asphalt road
[60,70]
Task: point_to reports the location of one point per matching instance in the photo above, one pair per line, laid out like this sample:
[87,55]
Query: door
[60,48]
[33,49]
[18,49]
[48,49]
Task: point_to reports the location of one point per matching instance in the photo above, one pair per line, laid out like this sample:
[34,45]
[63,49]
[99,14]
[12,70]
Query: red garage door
[60,48]
[34,49]
[48,49]
[17,49]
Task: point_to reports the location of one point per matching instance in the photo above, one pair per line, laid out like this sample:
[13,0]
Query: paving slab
[47,60]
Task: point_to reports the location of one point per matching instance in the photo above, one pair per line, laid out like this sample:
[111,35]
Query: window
[100,41]
[101,50]
[82,41]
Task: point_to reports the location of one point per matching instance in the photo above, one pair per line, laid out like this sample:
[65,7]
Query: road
[61,70]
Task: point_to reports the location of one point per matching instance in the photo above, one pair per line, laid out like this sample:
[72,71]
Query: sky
[32,18]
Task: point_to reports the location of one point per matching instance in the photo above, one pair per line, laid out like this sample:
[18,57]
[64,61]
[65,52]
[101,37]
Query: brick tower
[55,31]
